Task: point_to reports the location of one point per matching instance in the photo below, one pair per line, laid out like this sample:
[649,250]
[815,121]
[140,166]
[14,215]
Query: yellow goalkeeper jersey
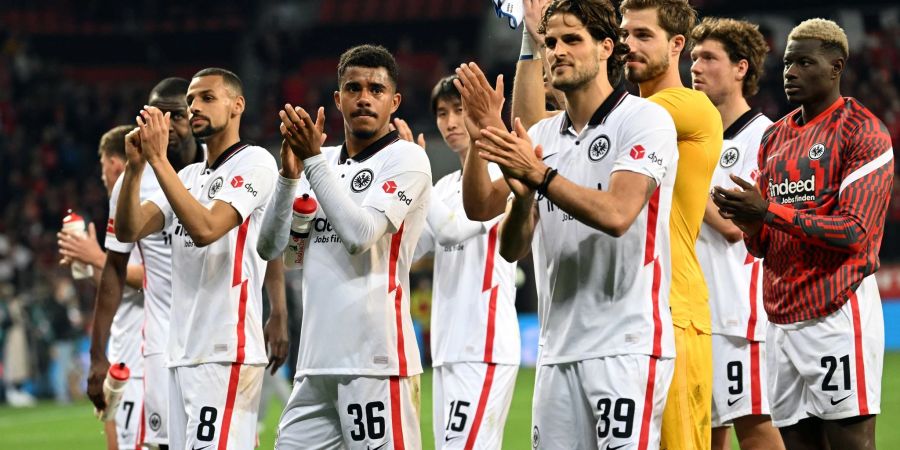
[699,128]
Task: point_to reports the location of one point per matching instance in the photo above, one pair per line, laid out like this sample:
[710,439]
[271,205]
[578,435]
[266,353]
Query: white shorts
[611,402]
[214,405]
[828,367]
[351,412]
[739,374]
[471,402]
[128,416]
[155,415]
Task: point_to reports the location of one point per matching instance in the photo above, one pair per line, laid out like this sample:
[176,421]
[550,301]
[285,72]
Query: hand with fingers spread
[513,152]
[483,103]
[81,248]
[534,11]
[406,133]
[302,135]
[744,205]
[154,127]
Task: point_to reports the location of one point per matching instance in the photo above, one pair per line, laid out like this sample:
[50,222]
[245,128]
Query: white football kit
[474,329]
[156,253]
[734,278]
[603,303]
[358,351]
[216,315]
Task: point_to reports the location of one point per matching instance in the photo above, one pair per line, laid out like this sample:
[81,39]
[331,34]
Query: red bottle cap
[71,217]
[119,371]
[305,204]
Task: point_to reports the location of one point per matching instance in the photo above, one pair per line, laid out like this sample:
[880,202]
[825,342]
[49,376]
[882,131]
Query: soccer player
[474,329]
[216,351]
[357,383]
[168,95]
[657,32]
[124,335]
[817,217]
[728,60]
[594,212]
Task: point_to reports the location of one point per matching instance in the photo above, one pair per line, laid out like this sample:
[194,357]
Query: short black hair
[231,80]
[372,56]
[444,90]
[170,87]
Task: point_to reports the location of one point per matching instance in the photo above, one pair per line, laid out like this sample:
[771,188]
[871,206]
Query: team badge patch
[155,422]
[729,157]
[362,180]
[816,151]
[215,186]
[598,148]
[535,437]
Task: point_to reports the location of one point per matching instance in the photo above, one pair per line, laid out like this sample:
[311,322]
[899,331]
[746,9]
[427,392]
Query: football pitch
[72,427]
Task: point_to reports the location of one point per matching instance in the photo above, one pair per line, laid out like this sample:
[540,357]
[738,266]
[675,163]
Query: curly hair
[674,16]
[741,40]
[369,56]
[599,17]
[827,31]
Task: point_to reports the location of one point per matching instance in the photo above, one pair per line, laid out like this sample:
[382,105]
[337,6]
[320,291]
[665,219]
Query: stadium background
[70,70]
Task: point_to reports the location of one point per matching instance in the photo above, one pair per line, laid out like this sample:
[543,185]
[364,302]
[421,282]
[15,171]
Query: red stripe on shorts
[229,405]
[396,417]
[755,392]
[482,405]
[648,406]
[860,364]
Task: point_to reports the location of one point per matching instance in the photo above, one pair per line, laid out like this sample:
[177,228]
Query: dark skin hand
[744,205]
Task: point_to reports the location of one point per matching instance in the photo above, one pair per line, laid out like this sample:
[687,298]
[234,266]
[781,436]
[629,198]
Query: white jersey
[356,307]
[473,302]
[156,253]
[216,313]
[125,334]
[600,295]
[733,275]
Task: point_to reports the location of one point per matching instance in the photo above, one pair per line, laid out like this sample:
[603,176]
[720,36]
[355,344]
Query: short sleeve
[404,179]
[248,188]
[651,149]
[111,242]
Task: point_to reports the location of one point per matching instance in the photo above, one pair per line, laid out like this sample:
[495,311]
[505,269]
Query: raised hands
[302,135]
[534,12]
[515,155]
[406,133]
[744,205]
[154,133]
[483,104]
[133,152]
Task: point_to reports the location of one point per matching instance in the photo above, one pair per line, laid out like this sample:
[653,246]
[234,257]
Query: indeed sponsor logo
[799,191]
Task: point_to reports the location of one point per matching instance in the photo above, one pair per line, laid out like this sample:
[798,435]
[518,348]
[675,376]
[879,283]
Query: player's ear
[395,102]
[676,44]
[239,104]
[837,67]
[337,100]
[741,67]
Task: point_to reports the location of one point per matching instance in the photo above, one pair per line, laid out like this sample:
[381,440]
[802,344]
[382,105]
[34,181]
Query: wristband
[548,177]
[527,53]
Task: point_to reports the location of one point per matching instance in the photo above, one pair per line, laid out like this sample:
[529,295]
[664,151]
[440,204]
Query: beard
[363,134]
[579,78]
[206,131]
[653,70]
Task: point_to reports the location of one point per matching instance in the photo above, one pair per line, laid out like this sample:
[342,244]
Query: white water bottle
[113,388]
[304,213]
[73,224]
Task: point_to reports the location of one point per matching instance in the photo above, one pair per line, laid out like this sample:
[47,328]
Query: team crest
[729,157]
[816,151]
[215,186]
[362,180]
[598,148]
[535,437]
[155,422]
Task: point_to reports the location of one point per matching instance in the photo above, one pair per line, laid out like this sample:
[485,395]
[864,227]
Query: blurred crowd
[51,121]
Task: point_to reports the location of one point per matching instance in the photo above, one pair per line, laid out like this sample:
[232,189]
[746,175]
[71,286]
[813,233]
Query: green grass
[52,427]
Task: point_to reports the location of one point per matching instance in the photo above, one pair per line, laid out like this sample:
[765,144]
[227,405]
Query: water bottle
[113,388]
[304,213]
[73,224]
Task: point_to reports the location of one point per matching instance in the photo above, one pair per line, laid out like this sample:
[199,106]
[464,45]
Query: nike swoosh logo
[610,447]
[836,402]
[449,438]
[376,448]
[201,448]
[731,402]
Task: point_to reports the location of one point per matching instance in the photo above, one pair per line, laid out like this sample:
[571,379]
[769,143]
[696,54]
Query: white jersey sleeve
[398,187]
[249,190]
[648,149]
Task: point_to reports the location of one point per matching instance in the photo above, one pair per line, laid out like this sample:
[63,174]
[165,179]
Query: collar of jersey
[371,150]
[741,123]
[792,120]
[608,105]
[227,154]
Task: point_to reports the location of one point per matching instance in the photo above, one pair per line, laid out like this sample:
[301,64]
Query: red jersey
[828,183]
